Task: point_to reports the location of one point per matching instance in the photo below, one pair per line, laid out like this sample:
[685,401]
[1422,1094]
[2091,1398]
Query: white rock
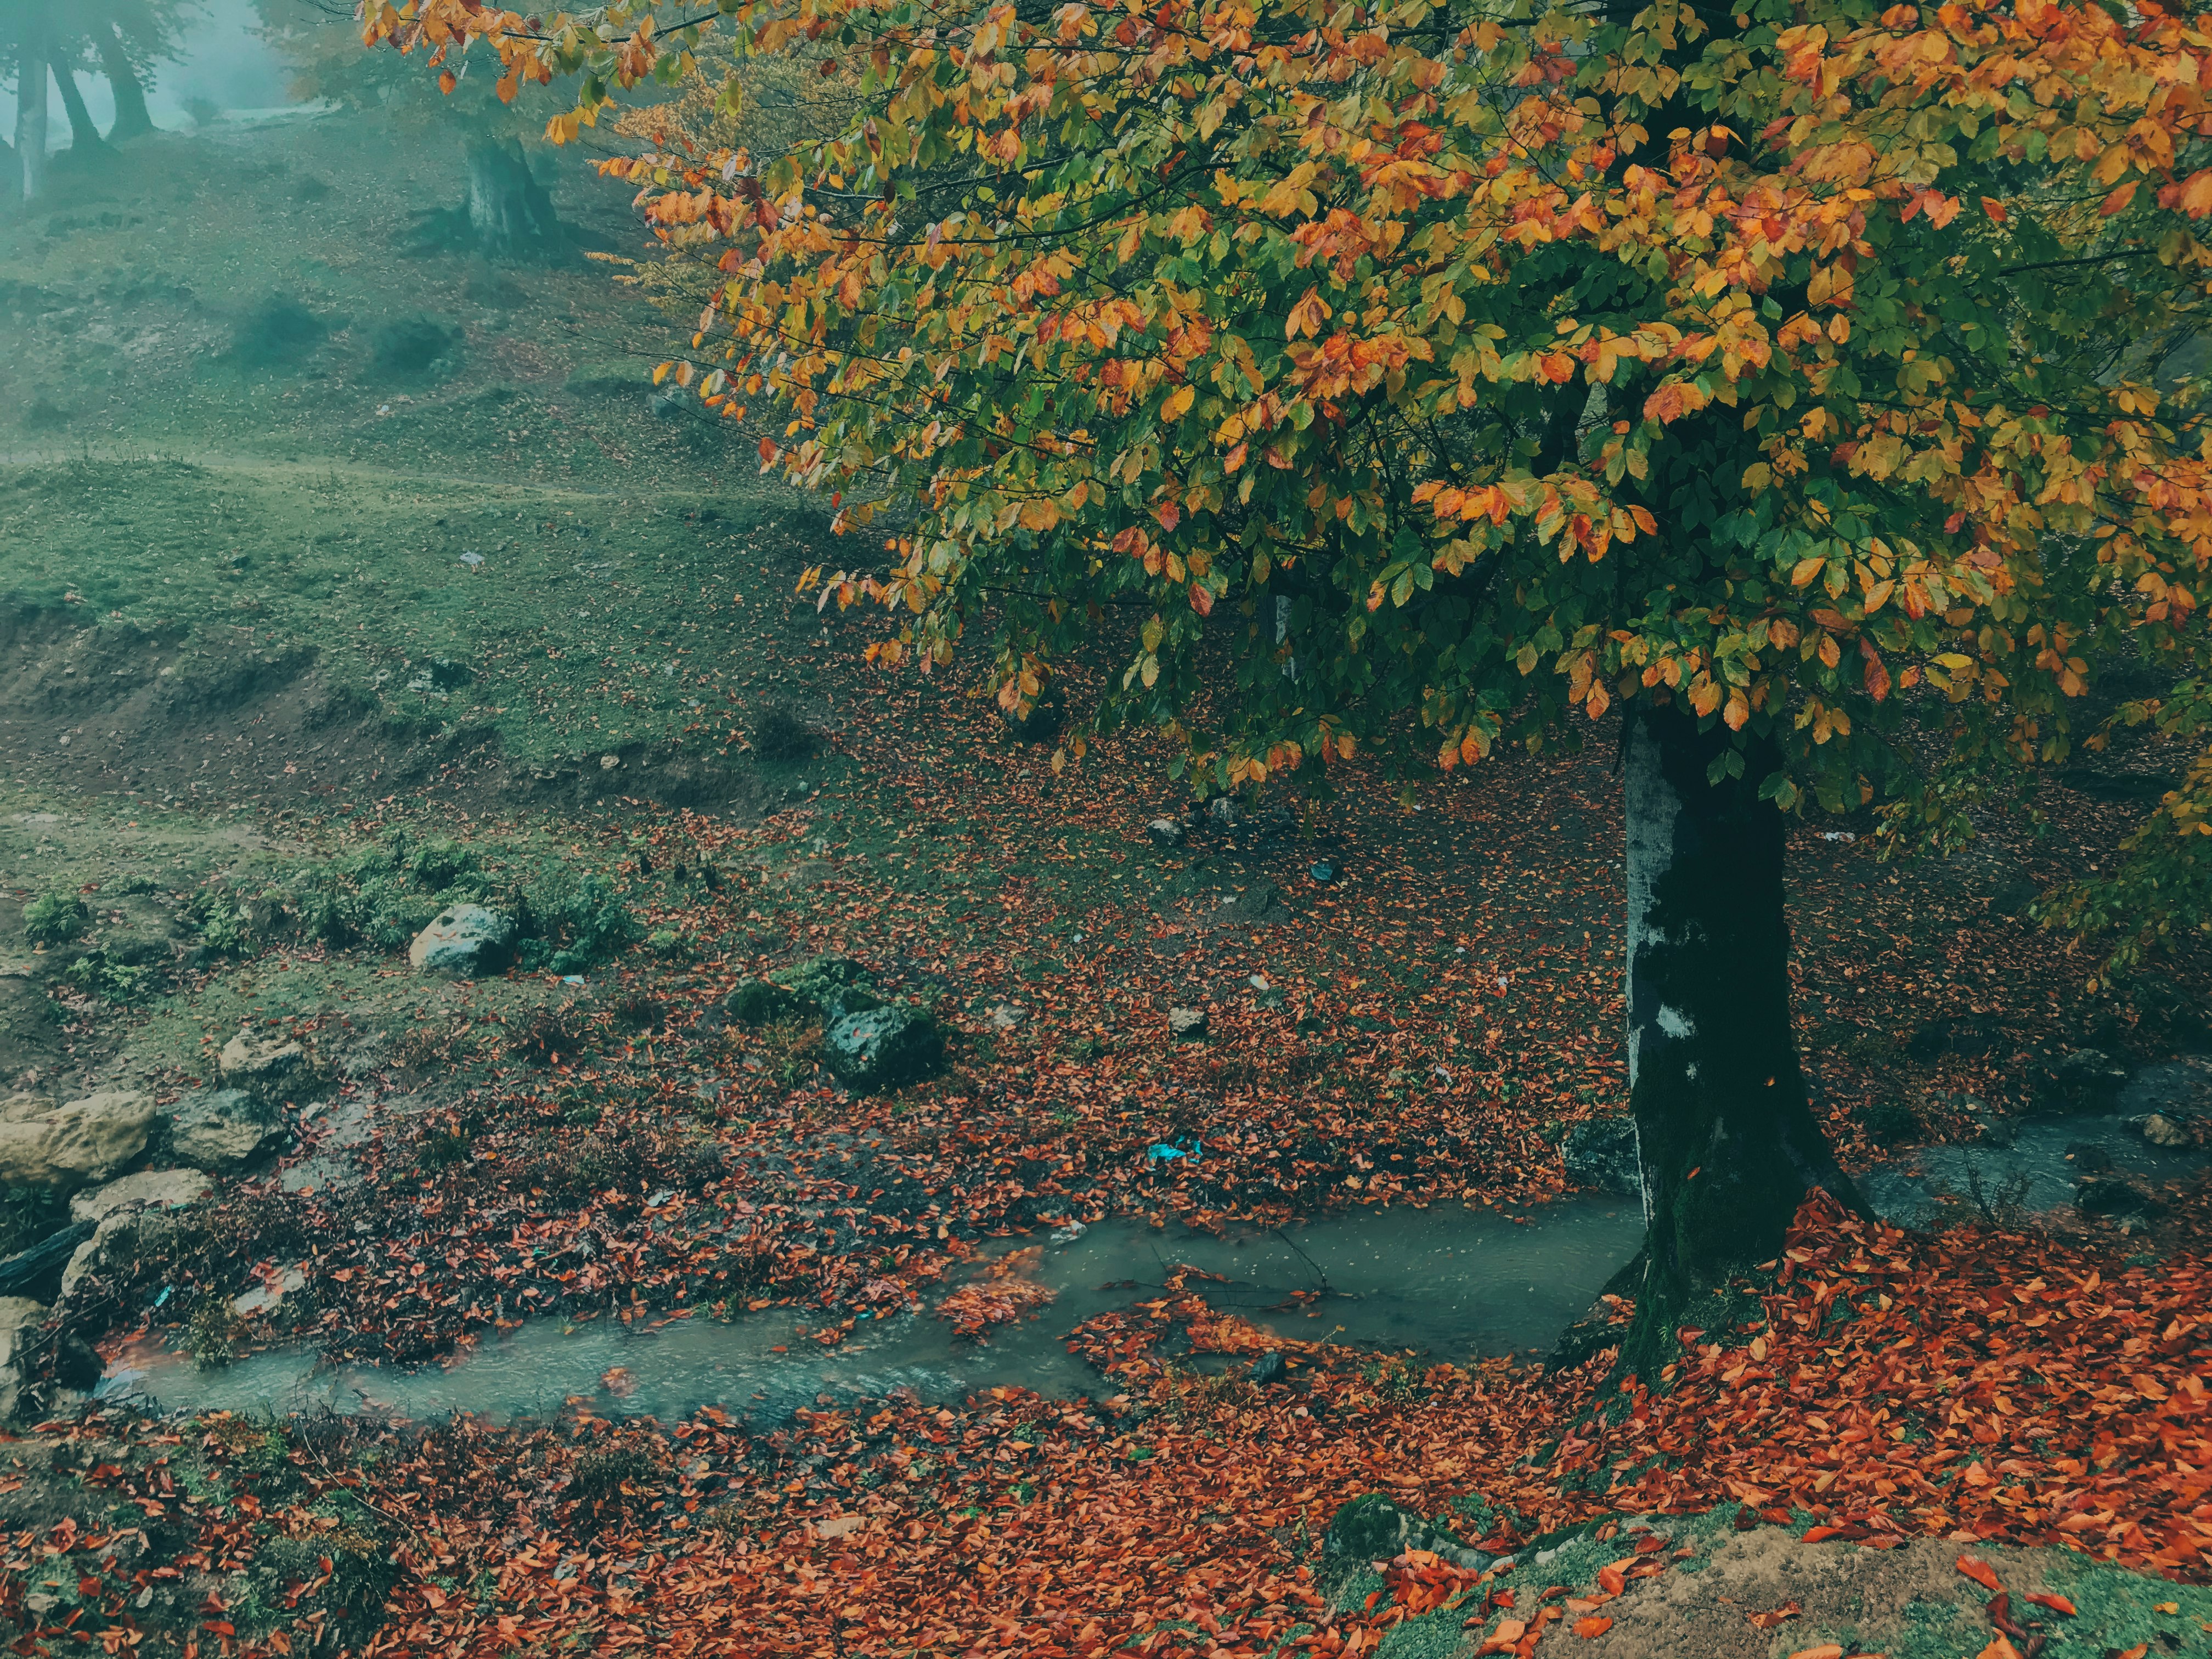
[20,1319]
[222,1128]
[463,941]
[65,1147]
[248,1061]
[1164,832]
[1184,1024]
[163,1189]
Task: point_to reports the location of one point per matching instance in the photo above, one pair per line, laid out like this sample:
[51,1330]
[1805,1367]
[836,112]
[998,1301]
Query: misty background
[224,60]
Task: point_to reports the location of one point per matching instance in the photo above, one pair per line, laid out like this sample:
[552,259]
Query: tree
[502,212]
[29,31]
[125,39]
[1788,380]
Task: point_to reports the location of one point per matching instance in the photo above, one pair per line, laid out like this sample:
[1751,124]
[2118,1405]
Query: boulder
[121,1237]
[2161,1130]
[72,1146]
[1165,832]
[19,1319]
[2116,1200]
[1185,1024]
[1601,1153]
[463,941]
[163,1189]
[258,1064]
[1268,1368]
[762,1002]
[882,1047]
[221,1128]
[2092,1073]
[818,978]
[1375,1528]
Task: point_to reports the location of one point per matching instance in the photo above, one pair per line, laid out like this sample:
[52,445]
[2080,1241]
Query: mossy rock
[761,1002]
[883,1047]
[818,978]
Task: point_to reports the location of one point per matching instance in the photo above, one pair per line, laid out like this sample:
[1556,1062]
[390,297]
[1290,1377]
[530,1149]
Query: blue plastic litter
[571,979]
[1324,872]
[1164,1151]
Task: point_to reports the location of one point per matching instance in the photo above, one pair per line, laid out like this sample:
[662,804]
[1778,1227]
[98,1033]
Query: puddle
[1449,1281]
[1933,1186]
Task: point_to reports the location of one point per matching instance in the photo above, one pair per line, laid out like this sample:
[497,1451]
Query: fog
[223,60]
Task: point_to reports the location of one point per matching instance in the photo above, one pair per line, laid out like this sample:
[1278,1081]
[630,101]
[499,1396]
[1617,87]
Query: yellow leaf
[1178,402]
[1806,570]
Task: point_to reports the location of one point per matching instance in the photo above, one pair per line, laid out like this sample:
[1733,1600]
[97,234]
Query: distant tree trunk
[83,135]
[31,102]
[132,120]
[506,211]
[1726,1138]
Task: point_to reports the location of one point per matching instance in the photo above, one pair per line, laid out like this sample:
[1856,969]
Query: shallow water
[2040,1170]
[1449,1281]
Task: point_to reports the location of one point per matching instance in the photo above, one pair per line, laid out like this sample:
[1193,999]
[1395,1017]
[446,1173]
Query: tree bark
[131,119]
[31,102]
[508,210]
[83,135]
[1725,1136]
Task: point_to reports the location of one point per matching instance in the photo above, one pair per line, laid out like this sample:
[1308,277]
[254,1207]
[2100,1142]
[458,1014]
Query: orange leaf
[2135,1652]
[2001,1648]
[1994,208]
[1877,672]
[2197,194]
[1592,1627]
[1820,1535]
[2057,1603]
[1768,1620]
[1612,1579]
[2118,199]
[1826,1650]
[1979,1571]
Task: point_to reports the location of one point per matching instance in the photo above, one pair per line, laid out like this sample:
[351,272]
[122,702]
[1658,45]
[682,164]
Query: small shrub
[222,921]
[577,921]
[780,735]
[97,974]
[55,917]
[550,1033]
[601,1474]
[276,331]
[1891,1122]
[211,1336]
[412,345]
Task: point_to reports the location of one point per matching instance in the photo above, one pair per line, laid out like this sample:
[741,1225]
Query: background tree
[125,41]
[1788,380]
[502,211]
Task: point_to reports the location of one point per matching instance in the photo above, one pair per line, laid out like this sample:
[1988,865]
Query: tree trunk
[508,210]
[84,135]
[31,102]
[1727,1140]
[131,119]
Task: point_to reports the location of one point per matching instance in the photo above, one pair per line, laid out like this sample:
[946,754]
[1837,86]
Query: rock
[2162,1131]
[1070,1233]
[222,1128]
[162,1189]
[882,1047]
[1375,1529]
[1601,1153]
[37,1272]
[760,1002]
[2092,1071]
[259,1064]
[1006,1017]
[1185,1024]
[65,1147]
[2116,1200]
[1165,832]
[1223,811]
[2088,1158]
[123,1237]
[1268,1368]
[19,1319]
[463,941]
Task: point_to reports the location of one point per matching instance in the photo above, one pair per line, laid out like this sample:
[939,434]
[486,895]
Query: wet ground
[1449,1281]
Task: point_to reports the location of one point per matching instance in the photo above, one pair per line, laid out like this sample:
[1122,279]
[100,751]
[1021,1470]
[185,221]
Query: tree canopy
[1815,366]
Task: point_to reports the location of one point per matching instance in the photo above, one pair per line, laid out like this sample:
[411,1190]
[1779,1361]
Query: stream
[1449,1281]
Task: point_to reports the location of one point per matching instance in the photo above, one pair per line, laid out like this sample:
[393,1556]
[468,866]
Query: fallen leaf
[1592,1626]
[2057,1603]
[1612,1578]
[1826,1650]
[1769,1621]
[1980,1571]
[2000,1647]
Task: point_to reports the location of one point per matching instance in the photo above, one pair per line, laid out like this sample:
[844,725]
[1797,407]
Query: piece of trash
[1324,872]
[1259,983]
[383,409]
[1070,1233]
[166,1291]
[1162,1152]
[1501,985]
[1445,1071]
[571,979]
[473,559]
[1838,835]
